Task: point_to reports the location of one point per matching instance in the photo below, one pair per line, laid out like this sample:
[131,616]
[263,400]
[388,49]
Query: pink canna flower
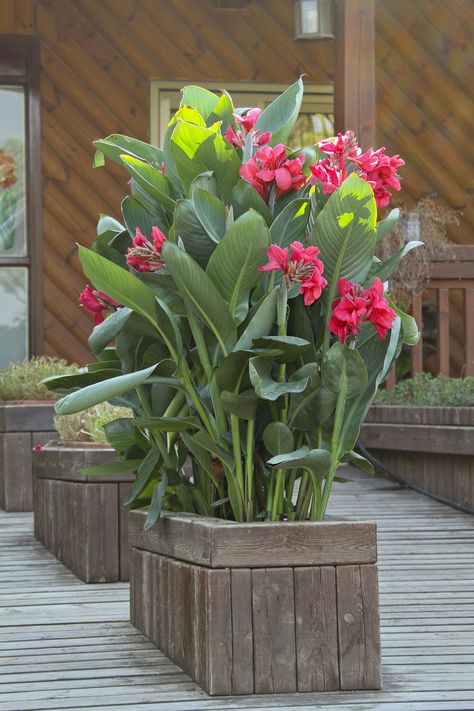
[303,268]
[356,305]
[97,303]
[247,122]
[380,171]
[344,145]
[145,256]
[37,448]
[332,171]
[270,167]
[329,174]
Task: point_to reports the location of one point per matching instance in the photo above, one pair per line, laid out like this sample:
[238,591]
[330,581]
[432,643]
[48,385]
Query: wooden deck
[68,645]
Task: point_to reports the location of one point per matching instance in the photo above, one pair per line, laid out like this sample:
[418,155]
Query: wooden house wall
[97,58]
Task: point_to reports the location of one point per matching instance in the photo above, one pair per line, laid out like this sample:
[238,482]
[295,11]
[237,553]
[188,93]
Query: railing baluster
[469,315]
[417,351]
[443,331]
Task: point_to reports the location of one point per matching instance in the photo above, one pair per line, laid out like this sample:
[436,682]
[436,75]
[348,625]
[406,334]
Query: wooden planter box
[429,446]
[259,608]
[23,424]
[80,518]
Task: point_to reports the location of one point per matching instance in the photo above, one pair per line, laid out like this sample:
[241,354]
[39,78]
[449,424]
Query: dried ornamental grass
[88,426]
[22,381]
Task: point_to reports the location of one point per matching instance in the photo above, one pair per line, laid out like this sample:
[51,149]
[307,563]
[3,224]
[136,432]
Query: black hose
[408,484]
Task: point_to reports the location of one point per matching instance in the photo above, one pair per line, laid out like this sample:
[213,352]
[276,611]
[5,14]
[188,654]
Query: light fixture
[313,20]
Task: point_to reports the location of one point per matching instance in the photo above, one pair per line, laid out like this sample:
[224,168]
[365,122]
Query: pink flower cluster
[270,167]
[303,267]
[97,303]
[145,256]
[378,169]
[248,125]
[356,305]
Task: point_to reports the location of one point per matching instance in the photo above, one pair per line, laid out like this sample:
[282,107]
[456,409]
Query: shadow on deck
[68,645]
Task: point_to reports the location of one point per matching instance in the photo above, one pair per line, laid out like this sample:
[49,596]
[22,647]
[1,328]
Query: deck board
[68,645]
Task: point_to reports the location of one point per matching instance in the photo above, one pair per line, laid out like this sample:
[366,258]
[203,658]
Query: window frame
[317,97]
[20,66]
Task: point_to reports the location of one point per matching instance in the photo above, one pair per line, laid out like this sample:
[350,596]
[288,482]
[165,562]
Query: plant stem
[239,472]
[249,450]
[278,506]
[335,439]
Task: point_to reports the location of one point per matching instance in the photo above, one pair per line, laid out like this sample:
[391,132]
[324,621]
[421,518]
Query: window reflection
[12,172]
[13,314]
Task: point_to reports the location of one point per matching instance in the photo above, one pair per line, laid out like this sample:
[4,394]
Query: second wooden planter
[23,424]
[80,518]
[259,608]
[429,446]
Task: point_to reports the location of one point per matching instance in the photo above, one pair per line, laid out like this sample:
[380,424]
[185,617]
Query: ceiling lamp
[313,20]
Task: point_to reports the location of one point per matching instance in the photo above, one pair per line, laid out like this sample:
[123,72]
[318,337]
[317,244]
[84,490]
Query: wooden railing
[446,276]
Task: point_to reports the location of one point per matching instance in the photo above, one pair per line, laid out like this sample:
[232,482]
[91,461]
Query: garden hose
[408,484]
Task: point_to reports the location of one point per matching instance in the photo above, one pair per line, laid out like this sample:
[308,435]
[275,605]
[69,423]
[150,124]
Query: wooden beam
[354,75]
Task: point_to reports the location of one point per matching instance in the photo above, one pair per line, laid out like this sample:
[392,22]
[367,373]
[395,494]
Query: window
[20,201]
[315,122]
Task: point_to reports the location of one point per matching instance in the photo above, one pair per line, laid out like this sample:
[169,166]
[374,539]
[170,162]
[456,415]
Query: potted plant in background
[253,326]
[423,431]
[26,421]
[78,513]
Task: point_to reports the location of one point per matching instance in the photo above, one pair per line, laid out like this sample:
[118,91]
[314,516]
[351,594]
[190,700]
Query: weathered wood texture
[432,447]
[79,518]
[243,630]
[96,62]
[216,543]
[65,645]
[22,426]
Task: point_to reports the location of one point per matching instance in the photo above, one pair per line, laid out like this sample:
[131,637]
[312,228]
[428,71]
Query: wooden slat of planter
[220,544]
[274,630]
[410,414]
[242,631]
[101,506]
[26,417]
[66,463]
[16,486]
[124,548]
[418,438]
[316,629]
[200,628]
[358,627]
[219,633]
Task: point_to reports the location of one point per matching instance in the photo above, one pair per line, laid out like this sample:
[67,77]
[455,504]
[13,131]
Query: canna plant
[240,311]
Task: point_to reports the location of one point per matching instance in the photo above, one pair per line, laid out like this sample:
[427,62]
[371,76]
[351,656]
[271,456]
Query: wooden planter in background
[432,447]
[23,424]
[80,518]
[259,608]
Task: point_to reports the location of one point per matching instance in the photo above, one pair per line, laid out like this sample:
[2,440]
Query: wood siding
[96,62]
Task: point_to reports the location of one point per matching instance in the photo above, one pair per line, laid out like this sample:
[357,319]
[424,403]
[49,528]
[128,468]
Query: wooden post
[354,75]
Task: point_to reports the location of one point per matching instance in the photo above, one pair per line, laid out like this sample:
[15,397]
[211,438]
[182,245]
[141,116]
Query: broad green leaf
[383,270]
[118,283]
[201,99]
[223,111]
[261,322]
[318,460]
[148,468]
[280,116]
[378,357]
[291,347]
[211,213]
[243,405]
[197,149]
[115,145]
[303,406]
[106,331]
[232,372]
[234,264]
[384,226]
[411,334]
[290,225]
[119,467]
[108,225]
[199,293]
[344,231]
[135,215]
[360,462]
[197,242]
[340,357]
[156,503]
[260,370]
[168,424]
[244,197]
[60,383]
[152,180]
[278,438]
[120,434]
[101,392]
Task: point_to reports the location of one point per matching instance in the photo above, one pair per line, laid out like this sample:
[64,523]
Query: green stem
[301,495]
[239,471]
[249,450]
[278,504]
[208,422]
[335,439]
